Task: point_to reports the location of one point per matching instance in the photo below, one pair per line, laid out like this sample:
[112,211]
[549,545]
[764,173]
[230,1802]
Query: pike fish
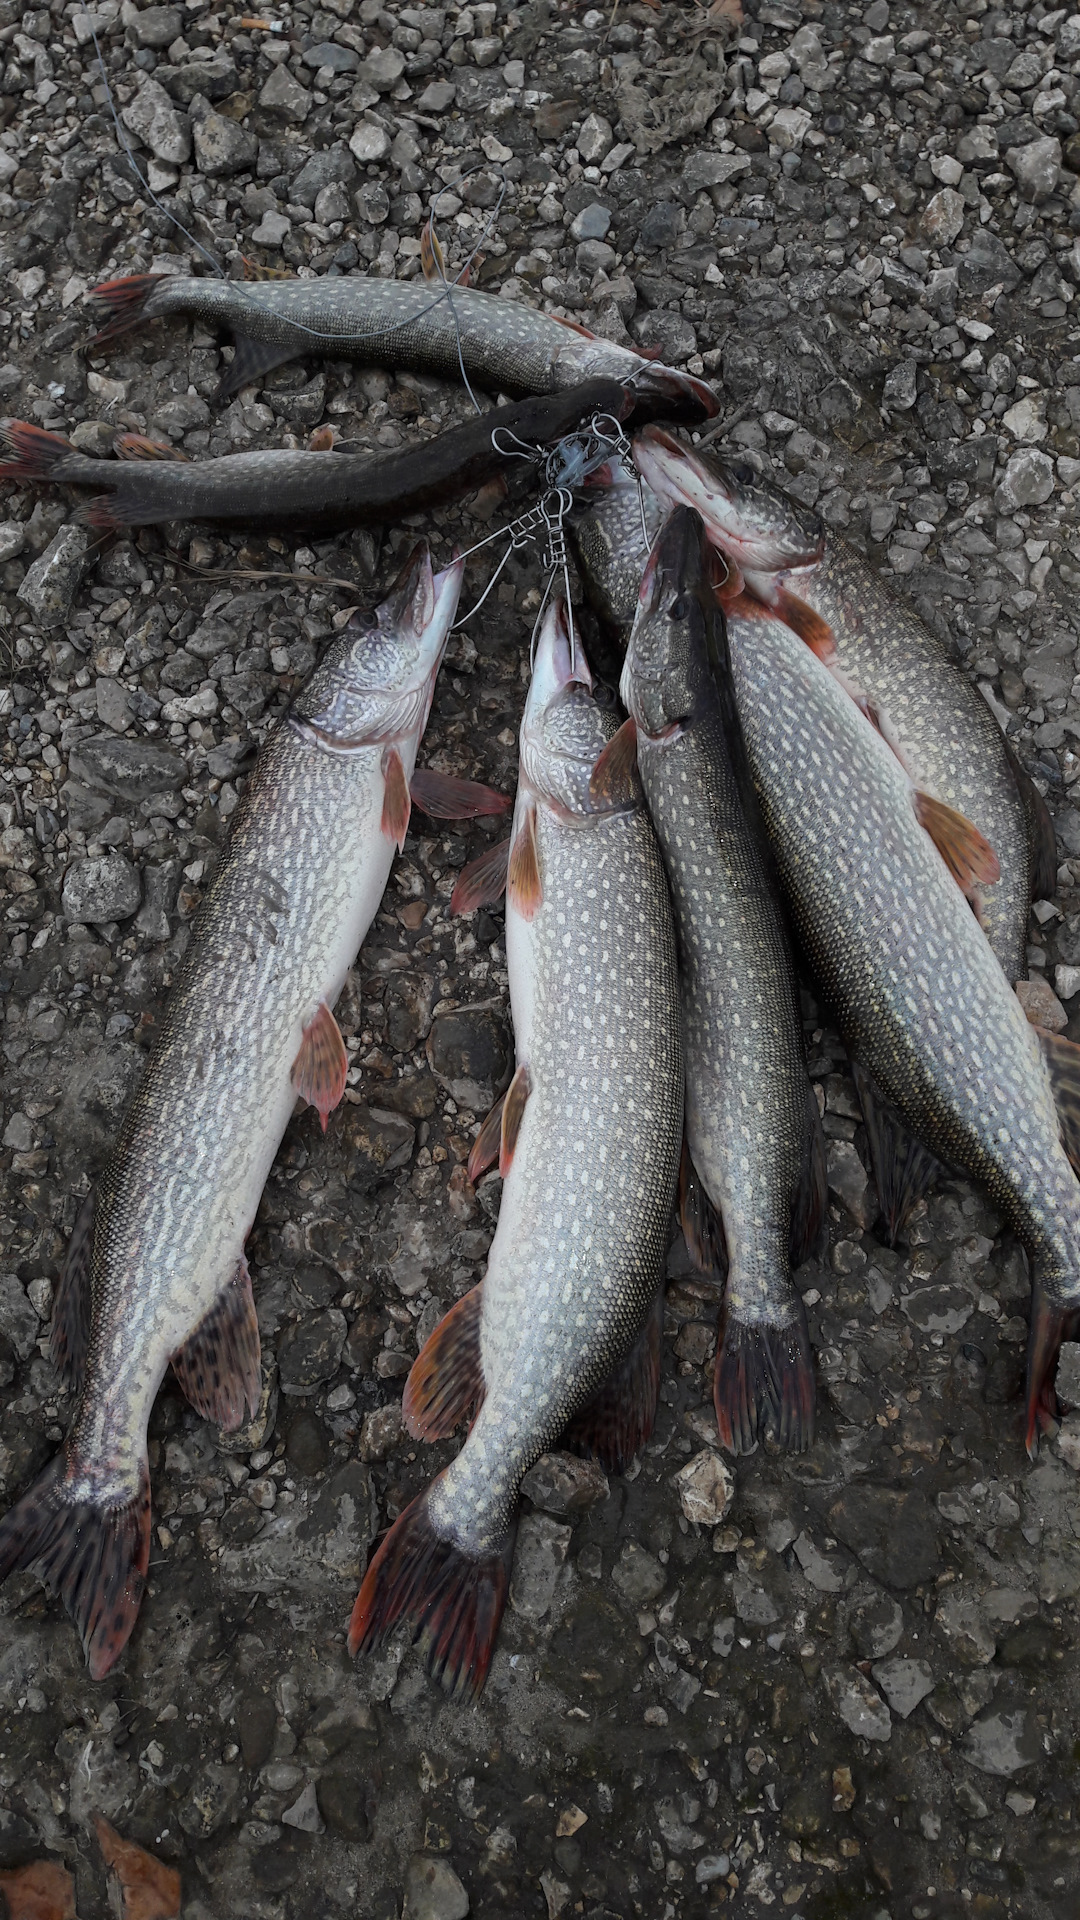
[753,1133]
[917,991]
[588,1141]
[943,729]
[156,1270]
[399,324]
[282,488]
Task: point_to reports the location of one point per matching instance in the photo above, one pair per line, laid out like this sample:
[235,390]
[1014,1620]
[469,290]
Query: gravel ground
[855,1693]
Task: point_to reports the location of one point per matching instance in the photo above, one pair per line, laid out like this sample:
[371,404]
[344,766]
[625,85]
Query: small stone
[752,1604]
[128,769]
[894,1534]
[283,94]
[333,166]
[1026,420]
[943,217]
[539,1556]
[638,1577]
[673,334]
[1068,1441]
[51,584]
[1068,1373]
[272,230]
[380,1432]
[560,1483]
[876,1624]
[304,1813]
[704,169]
[900,391]
[215,78]
[591,223]
[439,97]
[960,1623]
[221,147]
[433,1890]
[825,1573]
[1020,1803]
[660,227]
[100,889]
[848,1182]
[1067,982]
[1004,1742]
[12,539]
[859,1705]
[706,1488]
[1037,167]
[113,704]
[310,1350]
[789,127]
[155,120]
[595,136]
[158,27]
[970,1801]
[383,68]
[938,1309]
[369,144]
[904,1683]
[328,54]
[1028,481]
[1041,1004]
[307,1447]
[469,1052]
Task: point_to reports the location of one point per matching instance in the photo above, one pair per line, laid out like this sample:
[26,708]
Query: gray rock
[1068,1373]
[704,168]
[674,336]
[904,1683]
[383,68]
[328,54]
[214,78]
[661,226]
[592,223]
[876,1624]
[1027,481]
[104,888]
[222,147]
[1037,167]
[439,97]
[50,585]
[824,1571]
[752,1604]
[19,1322]
[637,1576]
[1004,1742]
[155,120]
[310,1351]
[859,1705]
[988,263]
[848,1181]
[272,229]
[304,1546]
[893,1534]
[128,769]
[304,1814]
[706,1488]
[560,1483]
[12,539]
[943,217]
[939,1309]
[469,1052]
[594,140]
[370,144]
[158,26]
[283,94]
[333,166]
[960,1623]
[899,392]
[539,1556]
[433,1890]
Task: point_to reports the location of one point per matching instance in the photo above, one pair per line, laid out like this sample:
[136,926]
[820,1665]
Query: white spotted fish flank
[919,994]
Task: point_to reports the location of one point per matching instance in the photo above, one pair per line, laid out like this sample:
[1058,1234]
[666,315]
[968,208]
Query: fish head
[377,682]
[564,728]
[667,652]
[753,522]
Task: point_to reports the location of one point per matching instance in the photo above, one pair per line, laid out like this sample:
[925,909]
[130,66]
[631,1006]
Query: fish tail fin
[122,303]
[615,1424]
[764,1382]
[94,1555]
[1051,1324]
[453,1601]
[903,1167]
[33,453]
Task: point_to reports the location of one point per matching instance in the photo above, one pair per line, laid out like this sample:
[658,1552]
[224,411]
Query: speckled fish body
[321,492]
[578,1254]
[752,1129]
[950,742]
[415,325]
[915,987]
[300,882]
[613,527]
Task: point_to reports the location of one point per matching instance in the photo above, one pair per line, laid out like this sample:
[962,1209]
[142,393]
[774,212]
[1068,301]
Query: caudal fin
[453,1602]
[764,1383]
[32,453]
[1049,1327]
[121,304]
[94,1556]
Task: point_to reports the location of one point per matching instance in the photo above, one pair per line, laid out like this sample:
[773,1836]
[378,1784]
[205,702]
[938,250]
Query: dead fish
[753,1133]
[284,488]
[912,981]
[945,733]
[156,1271]
[412,325]
[588,1137]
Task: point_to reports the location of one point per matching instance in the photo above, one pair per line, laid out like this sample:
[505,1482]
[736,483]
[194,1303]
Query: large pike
[156,1271]
[282,488]
[589,1146]
[916,989]
[752,1128]
[414,324]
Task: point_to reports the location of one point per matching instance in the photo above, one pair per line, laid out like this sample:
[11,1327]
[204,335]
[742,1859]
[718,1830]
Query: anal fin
[1063,1065]
[218,1365]
[514,1102]
[524,889]
[812,1193]
[903,1167]
[444,797]
[70,1330]
[251,359]
[702,1225]
[615,1424]
[966,852]
[321,1066]
[483,881]
[485,1148]
[446,1383]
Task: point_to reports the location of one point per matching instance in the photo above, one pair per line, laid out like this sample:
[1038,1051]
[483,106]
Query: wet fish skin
[301,879]
[612,529]
[578,1254]
[752,1127]
[323,492]
[917,992]
[394,323]
[951,743]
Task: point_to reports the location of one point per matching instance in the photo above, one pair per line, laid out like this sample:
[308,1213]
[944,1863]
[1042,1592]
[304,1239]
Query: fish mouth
[556,665]
[657,381]
[422,603]
[751,523]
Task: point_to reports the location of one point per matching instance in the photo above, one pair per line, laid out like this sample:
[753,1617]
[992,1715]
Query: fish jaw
[586,356]
[750,521]
[670,629]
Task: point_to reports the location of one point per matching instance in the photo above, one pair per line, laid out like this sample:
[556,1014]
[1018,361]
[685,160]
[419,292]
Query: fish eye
[680,607]
[743,472]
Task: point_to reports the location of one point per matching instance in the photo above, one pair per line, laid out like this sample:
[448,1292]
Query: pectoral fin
[966,852]
[320,1067]
[514,1103]
[218,1365]
[485,1148]
[524,889]
[444,797]
[397,804]
[483,881]
[613,781]
[140,446]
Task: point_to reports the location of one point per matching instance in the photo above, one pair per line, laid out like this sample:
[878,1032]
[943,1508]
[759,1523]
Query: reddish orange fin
[485,1148]
[446,1384]
[483,881]
[320,1067]
[764,1383]
[613,781]
[615,1424]
[94,1556]
[432,258]
[702,1225]
[514,1103]
[809,625]
[218,1365]
[321,439]
[147,1888]
[71,1305]
[1050,1325]
[123,301]
[42,1890]
[968,855]
[140,446]
[523,885]
[444,797]
[33,453]
[397,805]
[1062,1058]
[454,1603]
